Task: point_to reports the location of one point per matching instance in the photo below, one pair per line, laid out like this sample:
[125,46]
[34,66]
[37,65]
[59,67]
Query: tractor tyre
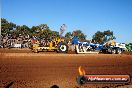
[62,47]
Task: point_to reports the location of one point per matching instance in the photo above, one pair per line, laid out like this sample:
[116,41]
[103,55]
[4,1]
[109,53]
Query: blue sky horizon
[89,16]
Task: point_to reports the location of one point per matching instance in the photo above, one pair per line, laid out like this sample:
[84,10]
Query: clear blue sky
[86,15]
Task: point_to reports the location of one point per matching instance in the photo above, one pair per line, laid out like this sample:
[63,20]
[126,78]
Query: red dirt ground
[42,70]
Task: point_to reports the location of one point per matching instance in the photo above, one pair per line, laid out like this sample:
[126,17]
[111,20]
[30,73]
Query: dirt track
[29,70]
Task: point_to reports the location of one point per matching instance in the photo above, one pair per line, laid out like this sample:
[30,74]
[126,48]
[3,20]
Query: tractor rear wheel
[62,47]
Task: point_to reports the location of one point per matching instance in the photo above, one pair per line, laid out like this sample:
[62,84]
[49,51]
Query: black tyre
[62,47]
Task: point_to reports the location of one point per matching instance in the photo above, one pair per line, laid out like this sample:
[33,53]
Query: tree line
[43,31]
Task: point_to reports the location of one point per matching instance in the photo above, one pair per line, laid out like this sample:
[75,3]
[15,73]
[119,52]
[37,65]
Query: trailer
[85,47]
[93,48]
[116,48]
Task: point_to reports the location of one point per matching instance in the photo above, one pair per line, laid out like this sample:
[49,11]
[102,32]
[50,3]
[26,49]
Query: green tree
[55,33]
[68,35]
[24,30]
[35,30]
[80,35]
[102,37]
[6,27]
[44,32]
[43,26]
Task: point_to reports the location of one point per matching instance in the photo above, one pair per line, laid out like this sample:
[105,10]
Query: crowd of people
[26,41]
[10,41]
[23,41]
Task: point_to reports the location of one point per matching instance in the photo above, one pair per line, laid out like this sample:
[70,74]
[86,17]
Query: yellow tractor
[58,44]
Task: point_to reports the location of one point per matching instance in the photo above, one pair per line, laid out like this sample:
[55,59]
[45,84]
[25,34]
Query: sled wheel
[119,51]
[113,51]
